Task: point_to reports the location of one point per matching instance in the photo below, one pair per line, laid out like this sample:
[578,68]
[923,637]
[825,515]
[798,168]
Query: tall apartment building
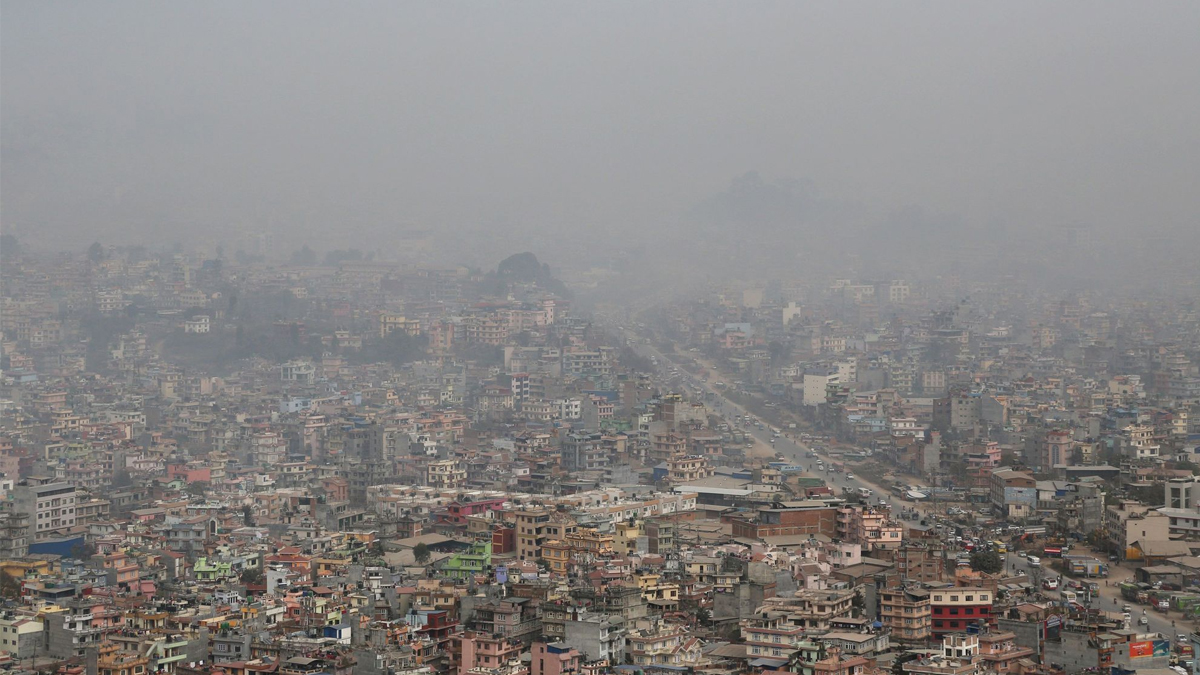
[14,535]
[955,609]
[49,506]
[907,613]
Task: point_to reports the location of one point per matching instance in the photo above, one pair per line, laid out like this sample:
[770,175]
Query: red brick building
[789,518]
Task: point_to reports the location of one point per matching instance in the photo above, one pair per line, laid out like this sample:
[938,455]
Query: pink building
[486,652]
[554,659]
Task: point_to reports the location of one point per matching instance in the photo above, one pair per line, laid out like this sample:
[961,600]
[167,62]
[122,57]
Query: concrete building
[21,635]
[1013,494]
[1129,521]
[596,637]
[49,506]
[953,610]
[907,613]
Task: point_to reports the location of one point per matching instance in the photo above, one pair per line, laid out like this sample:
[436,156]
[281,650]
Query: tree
[95,253]
[252,575]
[780,352]
[122,479]
[83,551]
[421,553]
[10,586]
[305,256]
[988,562]
[10,248]
[247,515]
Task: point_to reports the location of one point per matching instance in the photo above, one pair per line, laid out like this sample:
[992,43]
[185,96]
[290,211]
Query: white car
[849,476]
[1143,621]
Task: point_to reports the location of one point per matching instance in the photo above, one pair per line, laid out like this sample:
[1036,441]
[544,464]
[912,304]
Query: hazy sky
[122,117]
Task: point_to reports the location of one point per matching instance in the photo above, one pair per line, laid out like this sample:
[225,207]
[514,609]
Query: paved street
[796,452]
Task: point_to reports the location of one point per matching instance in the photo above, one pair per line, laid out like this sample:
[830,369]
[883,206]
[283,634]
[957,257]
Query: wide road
[795,451]
[1110,600]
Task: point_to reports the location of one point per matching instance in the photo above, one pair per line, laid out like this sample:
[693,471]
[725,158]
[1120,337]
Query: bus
[1000,547]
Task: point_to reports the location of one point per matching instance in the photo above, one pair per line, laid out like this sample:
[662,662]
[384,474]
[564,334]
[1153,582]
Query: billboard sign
[501,575]
[1141,650]
[1053,628]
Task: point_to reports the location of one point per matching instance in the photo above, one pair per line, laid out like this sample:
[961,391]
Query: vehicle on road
[1143,621]
[1050,583]
[849,476]
[1035,561]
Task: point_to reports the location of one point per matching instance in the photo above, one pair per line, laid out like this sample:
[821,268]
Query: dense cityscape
[354,466]
[634,337]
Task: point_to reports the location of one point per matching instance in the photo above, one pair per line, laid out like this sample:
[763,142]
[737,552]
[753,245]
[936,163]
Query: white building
[298,371]
[815,385]
[50,506]
[198,324]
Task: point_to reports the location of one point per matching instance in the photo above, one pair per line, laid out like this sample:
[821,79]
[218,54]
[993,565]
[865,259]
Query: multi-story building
[1129,521]
[445,474]
[663,646]
[71,630]
[1137,442]
[596,636]
[1013,494]
[687,469]
[907,613]
[790,518]
[554,659]
[869,527]
[953,610]
[479,650]
[584,451]
[1000,653]
[920,561]
[958,657]
[813,610]
[21,634]
[14,535]
[769,634]
[532,532]
[49,506]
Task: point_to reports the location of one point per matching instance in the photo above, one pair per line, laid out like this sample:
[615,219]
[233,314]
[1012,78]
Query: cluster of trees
[988,561]
[306,256]
[525,268]
[636,362]
[396,348]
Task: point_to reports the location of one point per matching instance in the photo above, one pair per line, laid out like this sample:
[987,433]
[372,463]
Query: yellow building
[557,555]
[590,541]
[392,322]
[625,536]
[19,569]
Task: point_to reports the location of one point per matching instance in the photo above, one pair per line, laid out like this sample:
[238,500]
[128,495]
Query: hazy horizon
[342,124]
